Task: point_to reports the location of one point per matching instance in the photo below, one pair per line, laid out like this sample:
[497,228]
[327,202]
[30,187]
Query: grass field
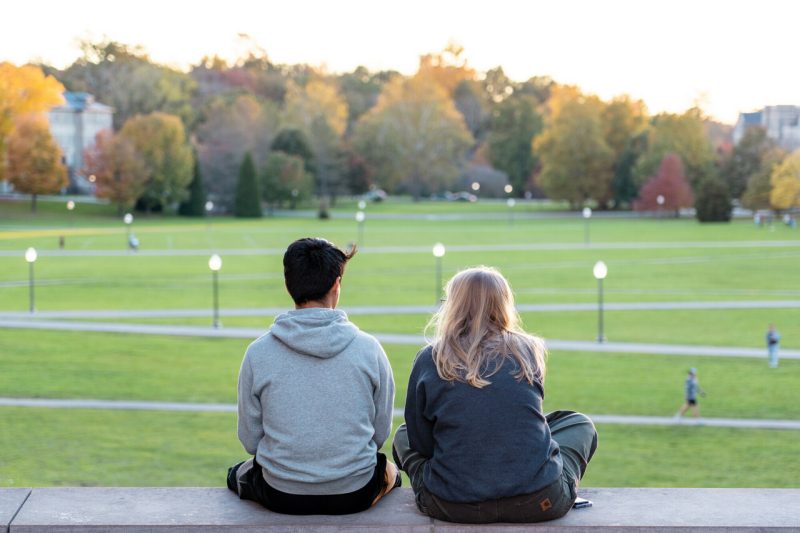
[674,261]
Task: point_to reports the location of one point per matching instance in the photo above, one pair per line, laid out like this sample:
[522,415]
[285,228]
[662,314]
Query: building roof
[79,101]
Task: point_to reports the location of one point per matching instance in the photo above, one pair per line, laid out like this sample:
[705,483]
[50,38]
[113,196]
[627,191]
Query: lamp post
[362,205]
[438,253]
[476,186]
[510,203]
[508,188]
[660,201]
[360,217]
[600,271]
[587,214]
[215,263]
[128,220]
[30,257]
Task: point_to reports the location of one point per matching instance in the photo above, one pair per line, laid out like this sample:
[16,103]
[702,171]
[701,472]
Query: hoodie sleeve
[250,428]
[420,429]
[383,396]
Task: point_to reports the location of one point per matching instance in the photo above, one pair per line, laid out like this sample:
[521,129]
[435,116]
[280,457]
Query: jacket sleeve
[383,396]
[250,427]
[420,429]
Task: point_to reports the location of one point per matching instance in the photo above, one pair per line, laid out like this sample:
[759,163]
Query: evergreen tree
[713,201]
[195,206]
[248,199]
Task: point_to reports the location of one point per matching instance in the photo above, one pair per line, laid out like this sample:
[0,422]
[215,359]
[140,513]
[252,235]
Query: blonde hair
[478,327]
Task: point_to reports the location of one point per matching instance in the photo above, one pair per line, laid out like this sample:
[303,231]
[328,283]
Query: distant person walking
[773,342]
[692,389]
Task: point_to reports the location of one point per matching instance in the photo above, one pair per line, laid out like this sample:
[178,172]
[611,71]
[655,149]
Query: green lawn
[40,447]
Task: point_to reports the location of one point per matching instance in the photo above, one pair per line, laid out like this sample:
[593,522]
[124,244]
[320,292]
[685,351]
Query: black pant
[246,480]
[577,439]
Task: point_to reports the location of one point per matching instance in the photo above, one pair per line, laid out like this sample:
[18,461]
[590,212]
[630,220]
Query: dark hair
[311,266]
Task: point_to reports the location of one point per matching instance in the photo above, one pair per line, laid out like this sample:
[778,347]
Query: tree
[195,205]
[294,142]
[447,68]
[160,141]
[284,179]
[683,135]
[248,200]
[670,183]
[515,122]
[125,78]
[757,194]
[321,114]
[23,90]
[414,137]
[785,181]
[577,163]
[745,160]
[34,159]
[624,130]
[232,128]
[120,174]
[713,201]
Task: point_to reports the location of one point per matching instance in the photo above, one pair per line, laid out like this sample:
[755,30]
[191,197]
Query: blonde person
[476,444]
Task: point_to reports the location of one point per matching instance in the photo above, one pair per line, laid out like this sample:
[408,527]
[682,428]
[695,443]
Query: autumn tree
[514,124]
[785,181]
[125,78]
[23,90]
[319,111]
[160,141]
[34,159]
[231,129]
[577,163]
[360,90]
[195,205]
[745,160]
[414,137]
[284,179]
[120,174]
[670,183]
[757,194]
[683,135]
[447,68]
[248,199]
[624,123]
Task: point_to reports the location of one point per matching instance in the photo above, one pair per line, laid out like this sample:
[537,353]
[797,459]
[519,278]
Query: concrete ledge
[11,501]
[210,509]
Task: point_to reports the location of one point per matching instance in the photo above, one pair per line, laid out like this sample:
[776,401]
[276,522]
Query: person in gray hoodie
[316,397]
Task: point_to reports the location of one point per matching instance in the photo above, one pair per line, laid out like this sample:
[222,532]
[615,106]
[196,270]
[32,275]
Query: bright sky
[730,56]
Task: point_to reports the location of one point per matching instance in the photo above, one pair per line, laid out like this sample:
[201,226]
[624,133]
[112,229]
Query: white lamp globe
[31,255]
[360,216]
[438,250]
[128,218]
[587,212]
[362,204]
[215,262]
[511,202]
[600,270]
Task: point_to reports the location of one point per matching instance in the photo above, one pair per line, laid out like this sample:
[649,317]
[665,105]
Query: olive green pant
[577,439]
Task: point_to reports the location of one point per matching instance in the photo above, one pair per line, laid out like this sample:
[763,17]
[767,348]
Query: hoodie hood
[319,332]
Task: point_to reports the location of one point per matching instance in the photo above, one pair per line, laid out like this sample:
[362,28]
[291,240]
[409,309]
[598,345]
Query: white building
[781,122]
[74,126]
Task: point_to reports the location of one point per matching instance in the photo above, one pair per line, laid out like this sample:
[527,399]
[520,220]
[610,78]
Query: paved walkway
[390,338]
[522,247]
[404,309]
[222,407]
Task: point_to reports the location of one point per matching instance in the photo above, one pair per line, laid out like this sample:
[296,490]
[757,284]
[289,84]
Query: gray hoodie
[316,396]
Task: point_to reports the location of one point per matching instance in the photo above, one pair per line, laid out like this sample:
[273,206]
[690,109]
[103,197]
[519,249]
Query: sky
[727,56]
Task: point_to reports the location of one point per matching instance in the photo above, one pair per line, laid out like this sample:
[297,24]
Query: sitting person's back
[316,398]
[476,444]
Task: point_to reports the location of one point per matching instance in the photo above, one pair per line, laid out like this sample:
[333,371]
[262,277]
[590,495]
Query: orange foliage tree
[670,183]
[120,174]
[34,159]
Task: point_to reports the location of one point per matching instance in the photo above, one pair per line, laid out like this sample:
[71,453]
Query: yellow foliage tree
[447,68]
[23,90]
[305,106]
[414,137]
[785,181]
[34,159]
